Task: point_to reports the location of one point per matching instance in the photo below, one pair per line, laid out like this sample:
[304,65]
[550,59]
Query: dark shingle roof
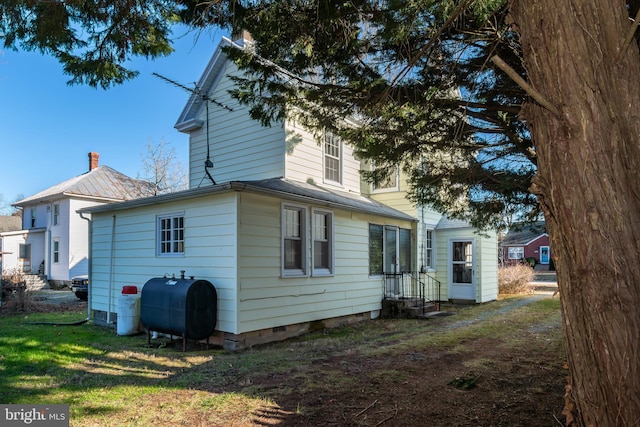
[102,182]
[521,234]
[279,187]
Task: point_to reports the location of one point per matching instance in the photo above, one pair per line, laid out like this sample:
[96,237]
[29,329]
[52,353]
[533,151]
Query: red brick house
[526,241]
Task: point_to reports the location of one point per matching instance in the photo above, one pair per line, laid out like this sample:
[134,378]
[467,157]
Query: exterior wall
[267,300]
[210,251]
[487,266]
[11,242]
[78,238]
[240,148]
[42,216]
[305,160]
[59,271]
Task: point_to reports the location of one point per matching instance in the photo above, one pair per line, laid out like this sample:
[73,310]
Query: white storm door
[462,269]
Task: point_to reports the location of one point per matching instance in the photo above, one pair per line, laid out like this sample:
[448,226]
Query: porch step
[407,309]
[35,282]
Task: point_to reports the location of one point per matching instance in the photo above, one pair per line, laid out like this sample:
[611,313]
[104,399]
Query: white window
[56,214]
[56,251]
[388,183]
[33,217]
[428,249]
[322,248]
[170,234]
[516,252]
[332,158]
[294,238]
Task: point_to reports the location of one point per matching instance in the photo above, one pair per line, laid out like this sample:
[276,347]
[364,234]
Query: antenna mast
[207,163]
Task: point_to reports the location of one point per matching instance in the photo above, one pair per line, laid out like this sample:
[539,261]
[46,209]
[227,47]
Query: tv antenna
[200,96]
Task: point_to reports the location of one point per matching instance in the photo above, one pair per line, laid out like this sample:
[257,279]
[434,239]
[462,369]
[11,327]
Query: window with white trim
[33,217]
[56,251]
[390,182]
[516,252]
[322,248]
[428,249]
[56,214]
[171,234]
[294,259]
[332,158]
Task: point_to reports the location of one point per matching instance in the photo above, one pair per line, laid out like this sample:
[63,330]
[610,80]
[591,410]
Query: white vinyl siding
[266,300]
[239,147]
[304,160]
[211,252]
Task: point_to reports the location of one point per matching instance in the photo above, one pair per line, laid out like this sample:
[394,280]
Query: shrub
[531,261]
[14,288]
[515,279]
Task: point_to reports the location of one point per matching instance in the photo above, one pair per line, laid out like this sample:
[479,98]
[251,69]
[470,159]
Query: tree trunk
[588,184]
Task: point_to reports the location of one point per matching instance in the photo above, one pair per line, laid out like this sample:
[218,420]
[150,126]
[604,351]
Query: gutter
[90,256]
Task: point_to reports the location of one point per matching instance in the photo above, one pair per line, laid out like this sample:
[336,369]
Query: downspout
[111,261]
[89,268]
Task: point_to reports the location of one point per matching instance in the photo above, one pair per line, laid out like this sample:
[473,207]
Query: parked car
[80,287]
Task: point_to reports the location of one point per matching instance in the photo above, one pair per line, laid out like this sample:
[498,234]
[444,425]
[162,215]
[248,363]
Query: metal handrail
[413,285]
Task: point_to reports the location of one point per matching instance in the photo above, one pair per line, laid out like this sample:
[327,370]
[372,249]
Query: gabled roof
[188,121]
[279,187]
[102,183]
[10,223]
[521,234]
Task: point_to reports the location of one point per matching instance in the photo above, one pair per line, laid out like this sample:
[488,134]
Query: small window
[516,252]
[322,242]
[33,217]
[388,183]
[56,251]
[332,158]
[376,249]
[294,238]
[171,234]
[428,249]
[56,214]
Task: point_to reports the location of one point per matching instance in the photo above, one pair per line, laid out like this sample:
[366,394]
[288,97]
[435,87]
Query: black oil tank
[183,307]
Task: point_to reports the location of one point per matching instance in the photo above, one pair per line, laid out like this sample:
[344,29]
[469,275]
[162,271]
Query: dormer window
[332,159]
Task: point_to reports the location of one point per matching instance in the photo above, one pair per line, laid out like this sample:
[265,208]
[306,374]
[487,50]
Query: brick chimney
[93,160]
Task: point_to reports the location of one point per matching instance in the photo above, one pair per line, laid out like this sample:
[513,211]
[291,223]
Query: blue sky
[47,127]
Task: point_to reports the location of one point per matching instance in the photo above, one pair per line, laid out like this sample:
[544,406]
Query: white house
[54,238]
[278,222]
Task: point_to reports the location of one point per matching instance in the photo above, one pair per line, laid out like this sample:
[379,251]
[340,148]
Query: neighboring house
[53,237]
[8,223]
[524,241]
[278,222]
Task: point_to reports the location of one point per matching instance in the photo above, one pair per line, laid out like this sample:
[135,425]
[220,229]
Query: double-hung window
[332,158]
[56,214]
[56,251]
[516,252]
[294,236]
[428,249]
[170,238]
[322,225]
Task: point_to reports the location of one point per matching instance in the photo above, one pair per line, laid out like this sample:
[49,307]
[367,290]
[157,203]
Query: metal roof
[10,223]
[278,187]
[102,183]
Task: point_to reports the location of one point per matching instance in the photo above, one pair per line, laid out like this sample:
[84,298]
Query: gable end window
[322,248]
[332,158]
[294,238]
[170,232]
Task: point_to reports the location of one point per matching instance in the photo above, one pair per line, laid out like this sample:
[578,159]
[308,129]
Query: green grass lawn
[114,380]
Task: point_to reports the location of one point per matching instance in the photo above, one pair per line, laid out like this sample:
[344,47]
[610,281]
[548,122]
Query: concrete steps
[407,308]
[36,282]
